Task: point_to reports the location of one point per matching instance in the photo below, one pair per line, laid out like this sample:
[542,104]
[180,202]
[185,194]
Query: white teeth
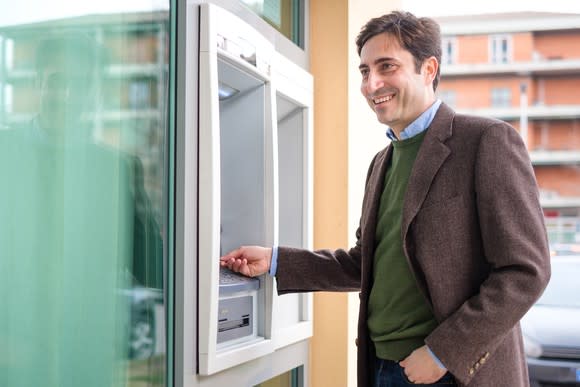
[382,99]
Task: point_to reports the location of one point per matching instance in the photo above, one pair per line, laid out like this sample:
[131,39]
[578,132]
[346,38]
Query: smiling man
[451,250]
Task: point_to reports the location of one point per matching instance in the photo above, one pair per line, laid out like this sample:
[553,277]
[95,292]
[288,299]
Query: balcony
[536,112]
[555,157]
[556,201]
[537,67]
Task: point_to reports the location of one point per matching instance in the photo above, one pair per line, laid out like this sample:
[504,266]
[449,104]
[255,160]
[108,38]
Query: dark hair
[420,36]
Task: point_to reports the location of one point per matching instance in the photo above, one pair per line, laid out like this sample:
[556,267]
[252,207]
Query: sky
[29,11]
[472,7]
[36,10]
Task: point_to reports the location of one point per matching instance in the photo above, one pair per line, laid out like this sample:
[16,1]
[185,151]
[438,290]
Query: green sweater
[399,318]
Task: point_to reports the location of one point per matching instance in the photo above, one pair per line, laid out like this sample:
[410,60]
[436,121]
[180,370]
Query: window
[449,50]
[501,97]
[287,16]
[500,48]
[84,216]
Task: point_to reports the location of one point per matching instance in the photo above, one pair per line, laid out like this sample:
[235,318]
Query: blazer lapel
[431,156]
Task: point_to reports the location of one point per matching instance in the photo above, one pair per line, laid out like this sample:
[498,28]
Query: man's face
[390,83]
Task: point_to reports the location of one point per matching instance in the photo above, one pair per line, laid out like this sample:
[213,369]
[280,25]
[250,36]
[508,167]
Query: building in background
[130,104]
[524,68]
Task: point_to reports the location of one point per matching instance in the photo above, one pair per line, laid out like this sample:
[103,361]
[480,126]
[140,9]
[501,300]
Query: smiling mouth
[382,99]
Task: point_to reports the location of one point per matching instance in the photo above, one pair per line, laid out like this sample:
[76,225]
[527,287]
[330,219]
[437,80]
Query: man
[451,250]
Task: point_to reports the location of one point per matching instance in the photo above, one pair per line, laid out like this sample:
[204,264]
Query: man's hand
[421,368]
[250,261]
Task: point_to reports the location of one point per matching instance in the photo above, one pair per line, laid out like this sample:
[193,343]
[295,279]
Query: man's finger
[234,254]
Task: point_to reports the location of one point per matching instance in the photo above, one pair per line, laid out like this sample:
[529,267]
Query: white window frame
[496,53]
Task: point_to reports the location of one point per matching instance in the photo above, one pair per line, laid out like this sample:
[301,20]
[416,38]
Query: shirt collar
[419,125]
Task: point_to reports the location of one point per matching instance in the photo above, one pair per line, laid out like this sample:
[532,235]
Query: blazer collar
[432,154]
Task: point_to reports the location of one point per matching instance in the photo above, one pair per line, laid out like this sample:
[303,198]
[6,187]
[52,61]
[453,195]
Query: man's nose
[374,82]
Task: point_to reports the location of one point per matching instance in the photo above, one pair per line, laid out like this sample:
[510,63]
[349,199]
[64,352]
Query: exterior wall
[561,90]
[329,346]
[476,92]
[475,48]
[557,45]
[561,179]
[472,49]
[522,46]
[346,136]
[557,135]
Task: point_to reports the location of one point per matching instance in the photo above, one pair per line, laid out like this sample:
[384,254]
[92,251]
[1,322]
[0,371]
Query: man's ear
[429,69]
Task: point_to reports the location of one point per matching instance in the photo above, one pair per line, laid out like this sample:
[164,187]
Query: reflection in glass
[284,15]
[82,150]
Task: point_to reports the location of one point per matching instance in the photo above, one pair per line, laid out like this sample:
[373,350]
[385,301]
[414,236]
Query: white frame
[296,85]
[496,54]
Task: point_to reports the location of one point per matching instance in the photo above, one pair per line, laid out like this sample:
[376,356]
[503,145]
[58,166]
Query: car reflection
[552,328]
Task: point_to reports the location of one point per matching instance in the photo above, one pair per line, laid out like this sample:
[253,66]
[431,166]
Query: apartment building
[524,68]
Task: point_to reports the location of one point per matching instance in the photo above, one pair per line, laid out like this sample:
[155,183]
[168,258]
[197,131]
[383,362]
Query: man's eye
[386,66]
[364,73]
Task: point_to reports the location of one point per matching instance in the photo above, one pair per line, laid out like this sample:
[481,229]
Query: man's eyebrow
[376,62]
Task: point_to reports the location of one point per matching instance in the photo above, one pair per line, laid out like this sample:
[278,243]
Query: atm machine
[251,109]
[237,181]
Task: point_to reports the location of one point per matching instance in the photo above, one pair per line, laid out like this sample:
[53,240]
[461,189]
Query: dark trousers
[390,374]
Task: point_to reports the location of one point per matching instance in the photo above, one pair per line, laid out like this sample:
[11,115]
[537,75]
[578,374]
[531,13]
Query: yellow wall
[346,135]
[329,40]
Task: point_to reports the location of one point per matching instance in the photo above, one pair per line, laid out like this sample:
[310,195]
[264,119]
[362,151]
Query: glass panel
[284,15]
[83,119]
[501,97]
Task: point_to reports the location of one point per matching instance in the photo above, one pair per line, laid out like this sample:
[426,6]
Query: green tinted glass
[287,16]
[83,128]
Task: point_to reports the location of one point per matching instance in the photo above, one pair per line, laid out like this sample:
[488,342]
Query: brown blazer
[474,237]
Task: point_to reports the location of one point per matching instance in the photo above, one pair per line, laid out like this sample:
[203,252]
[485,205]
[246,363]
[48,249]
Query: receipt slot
[237,188]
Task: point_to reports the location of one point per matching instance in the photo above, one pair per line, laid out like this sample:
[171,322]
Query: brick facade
[526,57]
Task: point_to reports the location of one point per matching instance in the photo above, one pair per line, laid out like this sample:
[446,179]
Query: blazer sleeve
[302,270]
[515,247]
